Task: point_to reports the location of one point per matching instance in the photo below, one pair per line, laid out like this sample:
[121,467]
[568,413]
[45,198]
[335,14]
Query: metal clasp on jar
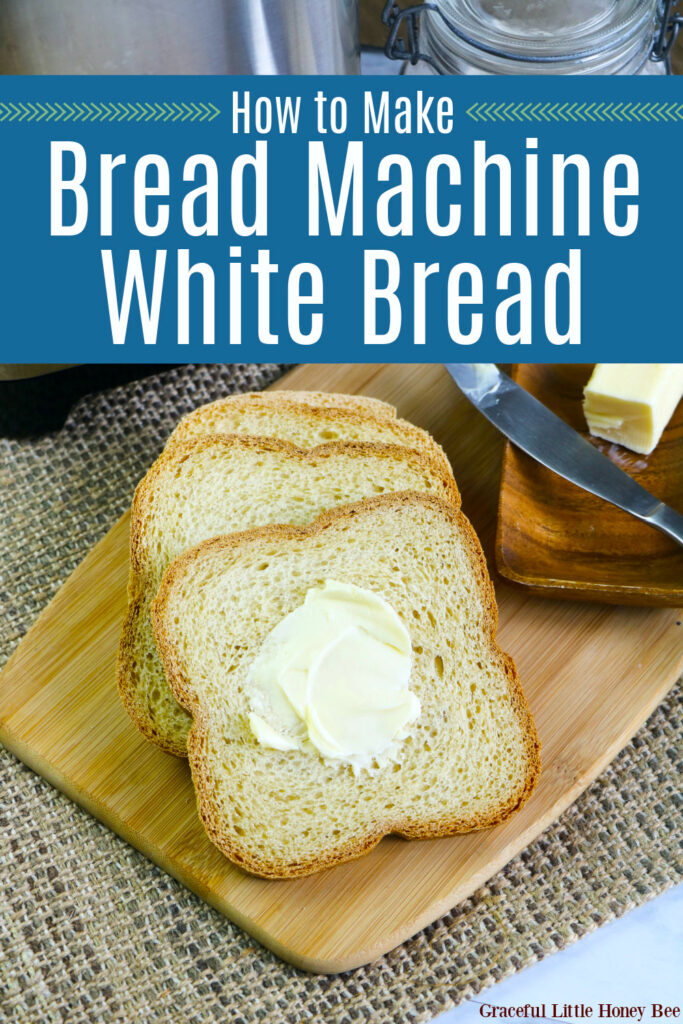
[408,49]
[669,23]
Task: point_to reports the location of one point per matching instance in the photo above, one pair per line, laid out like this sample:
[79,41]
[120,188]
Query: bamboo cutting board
[592,674]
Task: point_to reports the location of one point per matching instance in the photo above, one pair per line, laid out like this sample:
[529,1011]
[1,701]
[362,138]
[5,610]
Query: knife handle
[668,521]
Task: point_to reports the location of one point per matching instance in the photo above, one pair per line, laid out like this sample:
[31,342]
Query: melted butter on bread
[333,676]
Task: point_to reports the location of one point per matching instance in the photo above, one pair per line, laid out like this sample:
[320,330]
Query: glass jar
[537,37]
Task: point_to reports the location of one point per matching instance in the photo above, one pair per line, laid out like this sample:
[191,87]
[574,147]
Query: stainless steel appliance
[173,37]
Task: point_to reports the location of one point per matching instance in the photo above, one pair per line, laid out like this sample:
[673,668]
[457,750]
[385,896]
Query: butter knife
[552,442]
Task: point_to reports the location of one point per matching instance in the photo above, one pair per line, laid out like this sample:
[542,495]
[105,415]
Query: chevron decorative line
[603,113]
[106,112]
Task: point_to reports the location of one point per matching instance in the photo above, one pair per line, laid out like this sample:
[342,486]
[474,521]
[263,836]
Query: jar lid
[544,30]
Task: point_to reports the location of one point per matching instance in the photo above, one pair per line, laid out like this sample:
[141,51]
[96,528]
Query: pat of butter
[333,678]
[631,403]
[269,737]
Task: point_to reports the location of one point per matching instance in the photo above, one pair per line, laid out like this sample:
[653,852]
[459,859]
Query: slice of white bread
[220,483]
[276,398]
[470,759]
[307,419]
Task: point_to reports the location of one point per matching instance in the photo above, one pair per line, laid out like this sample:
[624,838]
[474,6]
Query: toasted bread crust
[311,408]
[183,450]
[138,710]
[168,461]
[186,697]
[283,398]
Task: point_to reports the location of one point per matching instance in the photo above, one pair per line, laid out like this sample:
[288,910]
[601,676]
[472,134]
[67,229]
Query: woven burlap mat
[92,931]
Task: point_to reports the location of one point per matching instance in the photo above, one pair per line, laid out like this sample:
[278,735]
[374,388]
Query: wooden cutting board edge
[331,964]
[369,954]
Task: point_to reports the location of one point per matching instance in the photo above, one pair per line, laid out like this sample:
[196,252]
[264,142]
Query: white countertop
[636,960]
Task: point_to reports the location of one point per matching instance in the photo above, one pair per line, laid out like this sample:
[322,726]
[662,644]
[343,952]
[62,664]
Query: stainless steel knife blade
[552,442]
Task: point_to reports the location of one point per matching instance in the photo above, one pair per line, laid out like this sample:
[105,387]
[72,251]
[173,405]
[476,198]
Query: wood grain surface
[592,674]
[562,541]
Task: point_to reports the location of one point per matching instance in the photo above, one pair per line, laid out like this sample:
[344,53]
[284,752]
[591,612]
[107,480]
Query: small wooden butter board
[592,675]
[561,541]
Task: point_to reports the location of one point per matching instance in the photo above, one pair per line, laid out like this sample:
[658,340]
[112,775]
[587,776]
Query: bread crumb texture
[470,759]
[216,484]
[236,411]
[309,419]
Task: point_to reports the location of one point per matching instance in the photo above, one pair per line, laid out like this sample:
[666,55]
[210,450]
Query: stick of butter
[631,403]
